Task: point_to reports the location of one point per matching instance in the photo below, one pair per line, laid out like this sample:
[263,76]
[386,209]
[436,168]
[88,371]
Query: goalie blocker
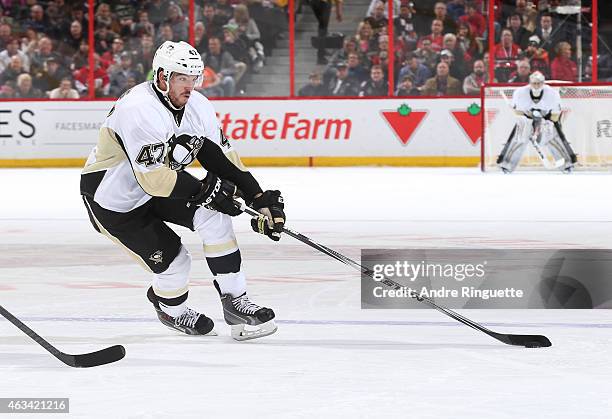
[538,109]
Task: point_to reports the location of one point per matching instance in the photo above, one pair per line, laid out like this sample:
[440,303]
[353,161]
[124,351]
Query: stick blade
[528,341]
[94,359]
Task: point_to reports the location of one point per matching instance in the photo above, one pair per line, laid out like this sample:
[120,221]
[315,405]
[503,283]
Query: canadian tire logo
[404,121]
[470,122]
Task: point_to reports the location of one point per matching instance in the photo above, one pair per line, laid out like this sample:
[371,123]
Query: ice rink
[329,358]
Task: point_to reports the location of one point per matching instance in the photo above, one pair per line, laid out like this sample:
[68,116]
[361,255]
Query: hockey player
[538,109]
[133,184]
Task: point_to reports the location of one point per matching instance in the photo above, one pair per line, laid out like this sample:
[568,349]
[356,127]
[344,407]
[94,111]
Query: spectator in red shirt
[476,21]
[506,54]
[101,79]
[112,57]
[436,37]
[563,67]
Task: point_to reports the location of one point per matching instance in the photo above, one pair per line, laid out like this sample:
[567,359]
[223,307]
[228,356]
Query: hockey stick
[528,341]
[93,359]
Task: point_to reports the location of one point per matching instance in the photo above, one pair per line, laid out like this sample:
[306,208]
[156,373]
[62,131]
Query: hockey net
[586,121]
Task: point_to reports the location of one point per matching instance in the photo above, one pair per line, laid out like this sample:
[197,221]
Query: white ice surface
[329,357]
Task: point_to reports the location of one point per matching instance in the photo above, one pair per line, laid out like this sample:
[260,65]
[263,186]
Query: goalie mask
[182,150]
[536,82]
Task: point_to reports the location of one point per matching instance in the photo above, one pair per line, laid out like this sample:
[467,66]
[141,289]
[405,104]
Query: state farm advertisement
[392,128]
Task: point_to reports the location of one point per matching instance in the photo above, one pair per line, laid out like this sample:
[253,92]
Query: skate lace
[244,305]
[188,318]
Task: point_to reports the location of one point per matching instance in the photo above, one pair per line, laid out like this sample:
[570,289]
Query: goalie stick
[528,341]
[535,141]
[93,359]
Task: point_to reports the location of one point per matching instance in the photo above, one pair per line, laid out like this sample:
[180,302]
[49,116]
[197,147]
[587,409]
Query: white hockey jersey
[550,100]
[131,156]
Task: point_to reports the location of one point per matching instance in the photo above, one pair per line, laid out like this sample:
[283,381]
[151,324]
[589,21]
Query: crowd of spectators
[441,48]
[44,45]
[234,38]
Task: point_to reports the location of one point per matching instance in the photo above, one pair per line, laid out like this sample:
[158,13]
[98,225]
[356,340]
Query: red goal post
[586,119]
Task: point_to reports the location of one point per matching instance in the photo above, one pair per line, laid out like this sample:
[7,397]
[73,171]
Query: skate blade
[241,333]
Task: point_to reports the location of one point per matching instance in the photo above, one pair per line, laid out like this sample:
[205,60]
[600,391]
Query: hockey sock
[173,307]
[228,275]
[232,283]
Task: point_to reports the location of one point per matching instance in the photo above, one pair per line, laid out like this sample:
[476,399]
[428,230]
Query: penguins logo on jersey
[157,257]
[182,150]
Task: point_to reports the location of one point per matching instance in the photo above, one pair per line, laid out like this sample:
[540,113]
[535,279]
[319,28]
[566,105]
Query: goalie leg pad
[513,157]
[524,129]
[547,132]
[566,144]
[563,161]
[501,156]
[516,145]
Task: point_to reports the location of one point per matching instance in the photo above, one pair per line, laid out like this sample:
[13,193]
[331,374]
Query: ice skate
[247,320]
[190,322]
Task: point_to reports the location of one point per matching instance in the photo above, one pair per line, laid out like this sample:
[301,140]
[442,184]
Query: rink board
[402,132]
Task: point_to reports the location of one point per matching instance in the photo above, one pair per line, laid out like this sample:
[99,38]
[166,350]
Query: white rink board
[262,128]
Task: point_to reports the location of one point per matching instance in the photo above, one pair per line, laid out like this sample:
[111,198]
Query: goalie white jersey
[550,101]
[132,153]
[541,129]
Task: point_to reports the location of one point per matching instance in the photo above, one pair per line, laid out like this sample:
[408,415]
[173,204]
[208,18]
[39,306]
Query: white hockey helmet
[536,81]
[176,57]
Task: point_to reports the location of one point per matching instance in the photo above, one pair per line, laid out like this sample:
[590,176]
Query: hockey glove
[217,194]
[270,204]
